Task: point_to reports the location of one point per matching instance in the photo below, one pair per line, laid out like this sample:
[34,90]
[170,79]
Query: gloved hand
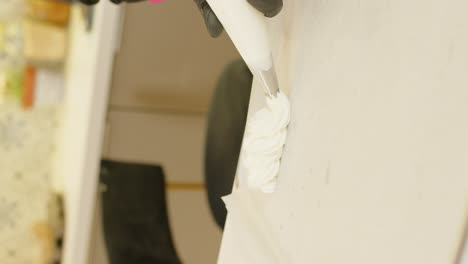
[269,8]
[93,2]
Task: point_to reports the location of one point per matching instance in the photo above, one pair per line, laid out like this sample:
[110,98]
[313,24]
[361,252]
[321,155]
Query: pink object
[156,1]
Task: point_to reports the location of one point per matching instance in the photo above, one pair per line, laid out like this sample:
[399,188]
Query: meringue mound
[263,144]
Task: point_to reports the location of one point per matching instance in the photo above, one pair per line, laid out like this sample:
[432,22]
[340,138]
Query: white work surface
[375,168]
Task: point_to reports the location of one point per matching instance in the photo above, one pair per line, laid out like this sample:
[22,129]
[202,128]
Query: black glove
[93,2]
[269,8]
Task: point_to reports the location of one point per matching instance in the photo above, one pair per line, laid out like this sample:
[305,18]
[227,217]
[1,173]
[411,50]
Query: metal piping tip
[269,81]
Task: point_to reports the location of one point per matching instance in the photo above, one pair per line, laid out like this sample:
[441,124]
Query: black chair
[135,219]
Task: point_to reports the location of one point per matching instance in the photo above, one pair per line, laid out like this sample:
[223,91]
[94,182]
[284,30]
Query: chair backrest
[135,218]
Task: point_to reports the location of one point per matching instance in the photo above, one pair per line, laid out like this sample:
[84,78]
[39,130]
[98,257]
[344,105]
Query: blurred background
[127,84]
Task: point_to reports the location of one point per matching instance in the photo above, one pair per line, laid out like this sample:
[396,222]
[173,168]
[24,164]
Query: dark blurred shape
[269,8]
[226,124]
[93,2]
[126,1]
[212,23]
[136,225]
[89,2]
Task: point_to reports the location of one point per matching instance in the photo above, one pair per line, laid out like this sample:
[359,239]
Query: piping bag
[247,29]
[266,130]
[248,235]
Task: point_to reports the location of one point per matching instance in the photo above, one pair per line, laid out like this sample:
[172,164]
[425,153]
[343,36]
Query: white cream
[263,144]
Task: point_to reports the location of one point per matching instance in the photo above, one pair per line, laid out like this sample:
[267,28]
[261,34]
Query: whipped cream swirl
[263,144]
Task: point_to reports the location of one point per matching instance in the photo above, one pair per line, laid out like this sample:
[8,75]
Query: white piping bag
[261,156]
[246,27]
